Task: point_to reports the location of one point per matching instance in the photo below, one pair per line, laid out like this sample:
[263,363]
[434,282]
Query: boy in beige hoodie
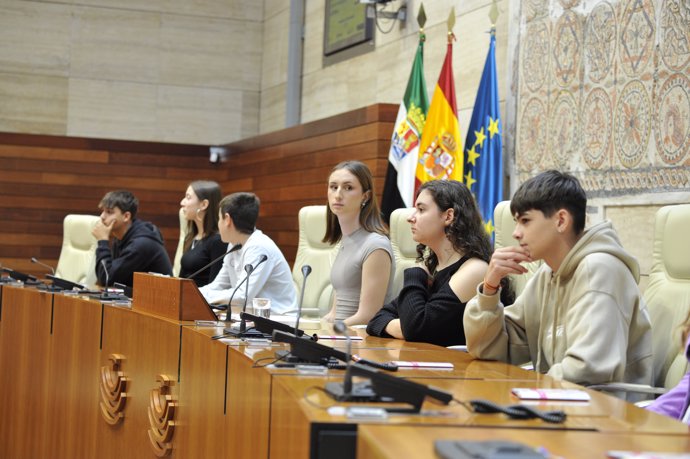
[581,317]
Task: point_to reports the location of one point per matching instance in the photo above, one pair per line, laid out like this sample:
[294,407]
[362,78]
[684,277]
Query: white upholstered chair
[668,292]
[180,243]
[668,299]
[404,247]
[319,255]
[77,262]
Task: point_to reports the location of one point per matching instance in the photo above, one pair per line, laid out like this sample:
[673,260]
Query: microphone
[35,260]
[107,277]
[306,270]
[243,323]
[214,261]
[250,269]
[247,267]
[340,327]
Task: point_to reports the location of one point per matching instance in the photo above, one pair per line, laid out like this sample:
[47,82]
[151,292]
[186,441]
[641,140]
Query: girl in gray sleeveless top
[362,272]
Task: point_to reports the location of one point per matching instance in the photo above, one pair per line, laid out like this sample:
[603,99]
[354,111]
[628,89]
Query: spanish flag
[440,151]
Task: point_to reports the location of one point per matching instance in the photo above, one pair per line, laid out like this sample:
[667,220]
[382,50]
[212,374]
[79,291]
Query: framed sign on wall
[347,30]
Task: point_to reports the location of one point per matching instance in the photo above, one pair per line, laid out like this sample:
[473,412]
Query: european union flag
[483,161]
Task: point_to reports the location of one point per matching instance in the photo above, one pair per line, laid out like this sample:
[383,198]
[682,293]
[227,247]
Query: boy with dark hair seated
[270,278]
[581,317]
[137,245]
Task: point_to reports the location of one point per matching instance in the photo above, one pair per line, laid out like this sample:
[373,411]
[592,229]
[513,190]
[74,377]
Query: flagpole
[493,16]
[398,189]
[451,25]
[440,148]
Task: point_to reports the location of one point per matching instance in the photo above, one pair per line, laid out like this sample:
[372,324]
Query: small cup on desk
[262,307]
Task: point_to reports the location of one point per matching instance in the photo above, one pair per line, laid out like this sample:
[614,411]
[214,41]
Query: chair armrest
[458,347]
[311,312]
[628,387]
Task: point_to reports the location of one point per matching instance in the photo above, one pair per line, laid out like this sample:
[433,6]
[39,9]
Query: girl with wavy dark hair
[453,254]
[363,269]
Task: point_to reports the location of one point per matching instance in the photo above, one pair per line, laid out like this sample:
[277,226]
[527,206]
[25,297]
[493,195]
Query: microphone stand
[107,277]
[48,287]
[340,327]
[105,296]
[35,260]
[243,321]
[214,261]
[346,391]
[242,333]
[306,270]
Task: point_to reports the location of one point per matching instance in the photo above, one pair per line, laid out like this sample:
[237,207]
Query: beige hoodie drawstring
[542,325]
[556,318]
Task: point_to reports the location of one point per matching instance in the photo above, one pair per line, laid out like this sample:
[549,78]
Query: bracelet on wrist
[491,287]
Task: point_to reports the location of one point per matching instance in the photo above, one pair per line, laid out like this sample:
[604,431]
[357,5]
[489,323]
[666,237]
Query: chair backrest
[404,247]
[319,255]
[504,225]
[180,243]
[77,262]
[668,292]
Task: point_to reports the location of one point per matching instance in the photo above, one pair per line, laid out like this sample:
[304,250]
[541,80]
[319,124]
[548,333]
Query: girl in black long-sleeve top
[453,255]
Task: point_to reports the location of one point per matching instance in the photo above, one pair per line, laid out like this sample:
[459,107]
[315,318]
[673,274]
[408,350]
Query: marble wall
[379,76]
[159,70]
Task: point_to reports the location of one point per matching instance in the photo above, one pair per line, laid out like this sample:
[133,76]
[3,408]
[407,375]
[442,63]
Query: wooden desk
[312,427]
[24,367]
[55,349]
[393,442]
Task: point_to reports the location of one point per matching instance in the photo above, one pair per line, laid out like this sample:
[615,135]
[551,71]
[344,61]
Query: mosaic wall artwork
[604,92]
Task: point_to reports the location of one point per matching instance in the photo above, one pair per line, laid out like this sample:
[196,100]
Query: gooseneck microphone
[306,270]
[35,260]
[214,261]
[228,315]
[243,321]
[247,268]
[340,327]
[227,331]
[107,276]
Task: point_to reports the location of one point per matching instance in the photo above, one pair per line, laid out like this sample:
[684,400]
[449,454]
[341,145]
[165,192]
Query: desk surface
[60,344]
[384,350]
[603,413]
[393,442]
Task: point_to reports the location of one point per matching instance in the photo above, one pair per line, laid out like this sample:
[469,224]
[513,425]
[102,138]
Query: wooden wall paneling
[25,347]
[47,177]
[150,347]
[290,168]
[73,411]
[201,425]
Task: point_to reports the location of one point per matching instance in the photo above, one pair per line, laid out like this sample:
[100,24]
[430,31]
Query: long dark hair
[466,233]
[204,189]
[369,216]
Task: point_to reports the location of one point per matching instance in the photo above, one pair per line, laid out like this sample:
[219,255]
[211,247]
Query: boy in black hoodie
[137,245]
